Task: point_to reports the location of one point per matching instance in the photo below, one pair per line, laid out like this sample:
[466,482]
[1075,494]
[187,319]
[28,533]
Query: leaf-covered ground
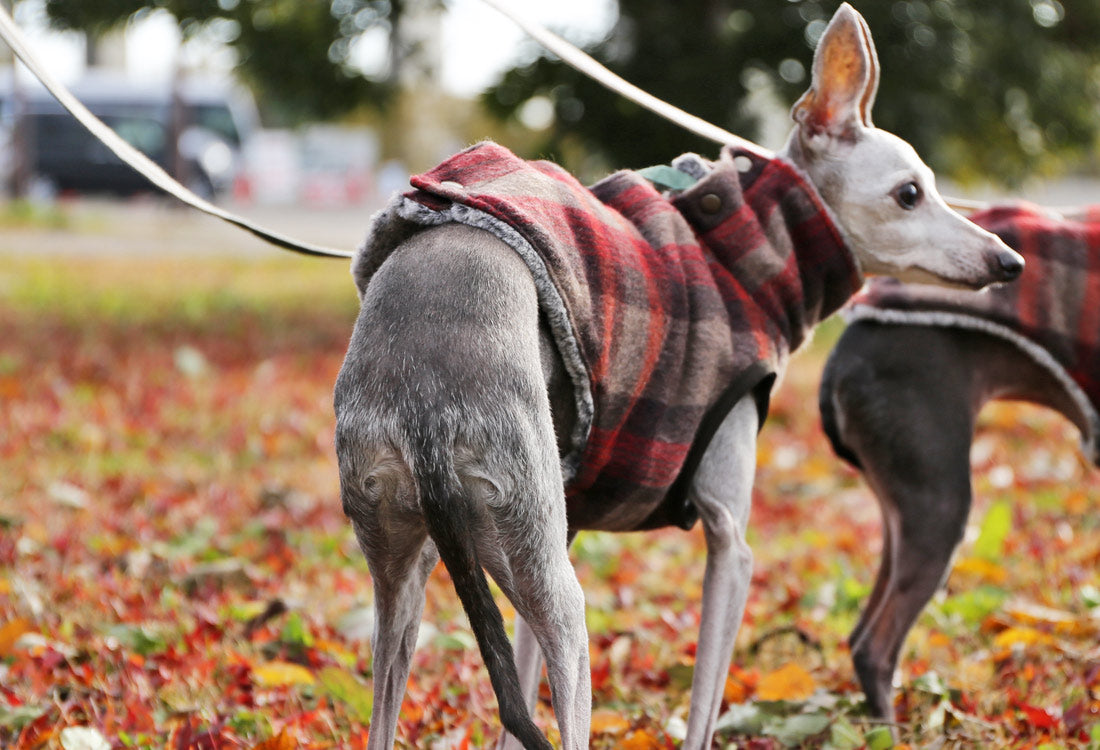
[176,571]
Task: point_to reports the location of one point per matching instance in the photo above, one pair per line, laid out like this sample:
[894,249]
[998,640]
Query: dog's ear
[845,79]
[868,100]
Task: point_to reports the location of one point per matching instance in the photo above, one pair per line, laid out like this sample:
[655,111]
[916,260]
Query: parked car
[212,120]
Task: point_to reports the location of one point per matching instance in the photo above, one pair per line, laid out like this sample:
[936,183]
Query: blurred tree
[296,55]
[984,89]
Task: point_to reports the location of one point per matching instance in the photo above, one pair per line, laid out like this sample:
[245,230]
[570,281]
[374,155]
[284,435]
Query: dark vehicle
[209,123]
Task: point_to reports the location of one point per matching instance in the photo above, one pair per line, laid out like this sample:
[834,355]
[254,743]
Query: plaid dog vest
[1052,313]
[665,309]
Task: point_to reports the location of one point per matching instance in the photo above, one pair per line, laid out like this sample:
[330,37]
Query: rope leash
[587,65]
[139,161]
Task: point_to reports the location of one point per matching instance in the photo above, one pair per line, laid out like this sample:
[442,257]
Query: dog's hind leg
[910,429]
[925,513]
[534,571]
[400,558]
[529,664]
[722,492]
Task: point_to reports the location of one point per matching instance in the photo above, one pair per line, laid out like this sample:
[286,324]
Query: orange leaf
[788,683]
[939,640]
[1022,636]
[10,387]
[640,739]
[412,710]
[981,569]
[281,741]
[735,691]
[607,721]
[10,632]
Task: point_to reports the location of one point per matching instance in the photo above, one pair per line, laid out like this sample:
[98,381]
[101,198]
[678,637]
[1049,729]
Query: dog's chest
[665,310]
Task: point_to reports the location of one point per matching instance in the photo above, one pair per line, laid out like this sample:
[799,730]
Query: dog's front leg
[722,492]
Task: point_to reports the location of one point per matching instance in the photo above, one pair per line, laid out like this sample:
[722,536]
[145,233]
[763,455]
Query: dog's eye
[908,195]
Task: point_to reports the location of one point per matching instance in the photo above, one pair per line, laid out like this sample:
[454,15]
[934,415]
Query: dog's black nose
[1012,265]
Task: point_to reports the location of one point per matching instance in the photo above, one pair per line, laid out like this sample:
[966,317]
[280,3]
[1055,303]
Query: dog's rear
[446,449]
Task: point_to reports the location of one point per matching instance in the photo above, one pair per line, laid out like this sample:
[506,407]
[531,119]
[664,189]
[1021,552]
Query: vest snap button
[710,203]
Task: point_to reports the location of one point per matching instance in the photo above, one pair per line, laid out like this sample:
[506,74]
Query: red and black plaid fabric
[1055,304]
[678,306]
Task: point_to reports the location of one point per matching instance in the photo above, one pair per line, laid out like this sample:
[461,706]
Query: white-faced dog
[533,358]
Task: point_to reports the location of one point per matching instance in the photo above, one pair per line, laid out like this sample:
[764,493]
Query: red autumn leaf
[1038,717]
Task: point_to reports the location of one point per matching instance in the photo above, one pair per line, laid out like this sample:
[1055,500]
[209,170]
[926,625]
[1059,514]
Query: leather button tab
[710,203]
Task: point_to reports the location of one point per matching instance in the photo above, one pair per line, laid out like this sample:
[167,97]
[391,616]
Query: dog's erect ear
[868,100]
[845,79]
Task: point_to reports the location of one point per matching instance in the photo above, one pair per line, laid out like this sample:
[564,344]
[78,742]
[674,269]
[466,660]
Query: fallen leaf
[640,739]
[83,738]
[1060,621]
[281,741]
[995,527]
[1037,717]
[608,721]
[735,691]
[10,632]
[788,683]
[1021,636]
[337,651]
[741,718]
[68,495]
[794,730]
[981,569]
[879,738]
[282,674]
[343,686]
[190,361]
[843,736]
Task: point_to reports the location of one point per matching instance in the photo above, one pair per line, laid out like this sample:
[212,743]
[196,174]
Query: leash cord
[139,161]
[587,65]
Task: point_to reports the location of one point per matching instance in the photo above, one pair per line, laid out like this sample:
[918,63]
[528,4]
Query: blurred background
[273,105]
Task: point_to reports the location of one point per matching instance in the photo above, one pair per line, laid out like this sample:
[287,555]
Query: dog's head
[883,196]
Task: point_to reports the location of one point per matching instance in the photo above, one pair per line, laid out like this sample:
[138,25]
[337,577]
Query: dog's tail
[447,509]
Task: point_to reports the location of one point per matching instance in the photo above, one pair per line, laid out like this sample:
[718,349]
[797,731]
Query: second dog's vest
[666,308]
[1052,313]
